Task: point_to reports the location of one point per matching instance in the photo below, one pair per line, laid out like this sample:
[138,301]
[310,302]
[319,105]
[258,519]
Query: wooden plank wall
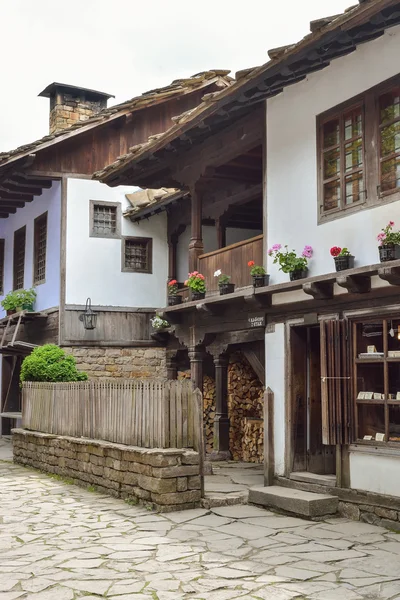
[148,413]
[112,326]
[232,261]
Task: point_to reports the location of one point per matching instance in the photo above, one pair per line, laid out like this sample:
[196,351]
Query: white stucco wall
[48,293]
[94,264]
[292,159]
[275,379]
[375,473]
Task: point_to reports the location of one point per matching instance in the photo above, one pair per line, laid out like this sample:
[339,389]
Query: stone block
[130,478]
[82,456]
[348,510]
[386,513]
[181,484]
[371,518]
[96,450]
[161,458]
[96,460]
[178,471]
[190,458]
[194,482]
[113,475]
[177,497]
[393,525]
[97,470]
[294,501]
[113,464]
[159,486]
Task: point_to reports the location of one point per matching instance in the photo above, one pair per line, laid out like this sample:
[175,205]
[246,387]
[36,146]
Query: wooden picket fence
[145,413]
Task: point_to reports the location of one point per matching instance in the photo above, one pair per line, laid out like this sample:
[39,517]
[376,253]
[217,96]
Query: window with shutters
[105,219]
[376,375]
[2,249]
[137,255]
[359,152]
[39,249]
[19,258]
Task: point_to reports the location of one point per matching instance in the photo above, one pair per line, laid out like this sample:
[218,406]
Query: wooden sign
[256,320]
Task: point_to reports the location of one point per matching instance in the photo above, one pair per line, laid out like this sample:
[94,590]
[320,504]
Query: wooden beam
[355,284]
[17,188]
[319,290]
[255,364]
[6,195]
[24,180]
[253,301]
[390,274]
[12,203]
[210,309]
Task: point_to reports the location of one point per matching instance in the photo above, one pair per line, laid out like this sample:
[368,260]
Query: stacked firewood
[208,407]
[245,409]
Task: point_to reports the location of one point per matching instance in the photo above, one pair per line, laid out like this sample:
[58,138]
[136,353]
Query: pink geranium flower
[307,252]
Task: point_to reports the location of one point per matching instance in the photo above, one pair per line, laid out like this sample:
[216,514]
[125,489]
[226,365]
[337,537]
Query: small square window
[137,255]
[105,219]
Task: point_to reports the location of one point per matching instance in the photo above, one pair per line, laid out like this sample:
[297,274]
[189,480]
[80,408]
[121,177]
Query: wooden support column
[196,357]
[221,233]
[172,254]
[172,367]
[221,420]
[196,247]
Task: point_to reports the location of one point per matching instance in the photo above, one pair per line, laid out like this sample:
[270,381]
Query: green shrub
[50,363]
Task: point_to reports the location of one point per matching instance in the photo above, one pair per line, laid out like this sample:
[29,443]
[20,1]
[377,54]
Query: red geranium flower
[251,263]
[172,282]
[335,251]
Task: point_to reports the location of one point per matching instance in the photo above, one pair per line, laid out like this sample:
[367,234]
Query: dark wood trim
[149,254]
[228,248]
[2,264]
[118,218]
[19,241]
[37,224]
[63,257]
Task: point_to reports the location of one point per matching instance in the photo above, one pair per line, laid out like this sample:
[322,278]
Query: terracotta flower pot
[194,296]
[344,262]
[226,288]
[299,274]
[389,252]
[10,311]
[260,280]
[174,300]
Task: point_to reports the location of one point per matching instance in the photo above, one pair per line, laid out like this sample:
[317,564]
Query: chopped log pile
[245,408]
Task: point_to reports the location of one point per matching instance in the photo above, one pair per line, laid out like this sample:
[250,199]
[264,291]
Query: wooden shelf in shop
[362,401]
[368,361]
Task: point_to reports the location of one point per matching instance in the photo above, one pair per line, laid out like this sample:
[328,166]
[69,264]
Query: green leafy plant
[158,322]
[255,269]
[50,363]
[222,279]
[19,299]
[289,261]
[10,301]
[196,282]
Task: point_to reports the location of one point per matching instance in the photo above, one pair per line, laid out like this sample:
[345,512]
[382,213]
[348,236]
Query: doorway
[308,452]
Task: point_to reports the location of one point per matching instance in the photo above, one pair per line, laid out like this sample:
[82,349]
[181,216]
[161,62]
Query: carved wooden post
[221,421]
[196,247]
[221,233]
[172,248]
[196,356]
[269,458]
[172,367]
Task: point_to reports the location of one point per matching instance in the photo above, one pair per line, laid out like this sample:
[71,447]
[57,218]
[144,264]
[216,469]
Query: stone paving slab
[60,542]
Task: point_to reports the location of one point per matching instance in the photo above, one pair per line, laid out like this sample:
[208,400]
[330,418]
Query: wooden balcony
[232,260]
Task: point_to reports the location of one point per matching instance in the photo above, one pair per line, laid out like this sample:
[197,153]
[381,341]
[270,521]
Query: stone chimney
[70,104]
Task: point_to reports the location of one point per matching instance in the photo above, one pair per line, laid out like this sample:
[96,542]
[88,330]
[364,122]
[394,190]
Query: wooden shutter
[336,383]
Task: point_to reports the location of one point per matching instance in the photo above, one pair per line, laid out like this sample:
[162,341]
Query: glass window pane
[390,174]
[332,195]
[354,188]
[390,139]
[389,105]
[331,163]
[331,133]
[353,155]
[353,125]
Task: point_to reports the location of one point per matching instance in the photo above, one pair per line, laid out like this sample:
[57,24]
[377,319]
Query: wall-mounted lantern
[89,317]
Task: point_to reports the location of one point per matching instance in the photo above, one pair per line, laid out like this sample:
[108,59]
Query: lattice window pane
[137,255]
[40,234]
[1,266]
[389,105]
[104,219]
[19,258]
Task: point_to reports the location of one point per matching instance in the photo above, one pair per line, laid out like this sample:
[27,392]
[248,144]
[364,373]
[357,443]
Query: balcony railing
[232,260]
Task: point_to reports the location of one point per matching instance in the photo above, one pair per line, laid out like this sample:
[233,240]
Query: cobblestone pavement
[60,542]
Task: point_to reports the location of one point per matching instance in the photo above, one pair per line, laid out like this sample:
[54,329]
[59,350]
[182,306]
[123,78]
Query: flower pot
[174,300]
[344,262]
[10,311]
[260,280]
[18,309]
[389,252]
[194,296]
[226,288]
[28,307]
[298,274]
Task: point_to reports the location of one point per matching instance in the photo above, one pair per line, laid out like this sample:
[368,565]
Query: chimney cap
[51,90]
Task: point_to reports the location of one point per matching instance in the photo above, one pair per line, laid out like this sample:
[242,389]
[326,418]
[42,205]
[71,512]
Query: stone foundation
[125,363]
[166,479]
[368,513]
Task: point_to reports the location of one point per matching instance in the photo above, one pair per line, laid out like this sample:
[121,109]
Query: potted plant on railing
[158,323]
[342,257]
[225,287]
[259,275]
[26,299]
[173,297]
[289,262]
[389,243]
[197,285]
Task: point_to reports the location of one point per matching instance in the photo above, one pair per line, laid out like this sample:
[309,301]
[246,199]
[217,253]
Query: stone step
[306,477]
[297,502]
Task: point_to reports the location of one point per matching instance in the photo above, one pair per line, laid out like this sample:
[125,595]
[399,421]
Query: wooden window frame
[2,265]
[149,243]
[117,205]
[18,232]
[369,101]
[36,225]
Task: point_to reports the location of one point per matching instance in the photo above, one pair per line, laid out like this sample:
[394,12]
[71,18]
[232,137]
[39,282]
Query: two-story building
[68,237]
[328,164]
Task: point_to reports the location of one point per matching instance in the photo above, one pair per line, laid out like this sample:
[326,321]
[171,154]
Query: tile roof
[321,29]
[176,88]
[144,202]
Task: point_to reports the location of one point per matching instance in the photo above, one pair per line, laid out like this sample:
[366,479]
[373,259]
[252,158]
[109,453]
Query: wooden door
[298,341]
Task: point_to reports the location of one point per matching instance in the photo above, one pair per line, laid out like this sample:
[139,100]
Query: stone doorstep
[297,502]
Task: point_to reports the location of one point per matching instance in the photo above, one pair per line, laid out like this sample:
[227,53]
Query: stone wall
[167,479]
[125,363]
[369,513]
[69,109]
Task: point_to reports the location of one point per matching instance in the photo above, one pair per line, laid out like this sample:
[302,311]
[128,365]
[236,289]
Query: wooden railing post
[269,460]
[221,420]
[197,398]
